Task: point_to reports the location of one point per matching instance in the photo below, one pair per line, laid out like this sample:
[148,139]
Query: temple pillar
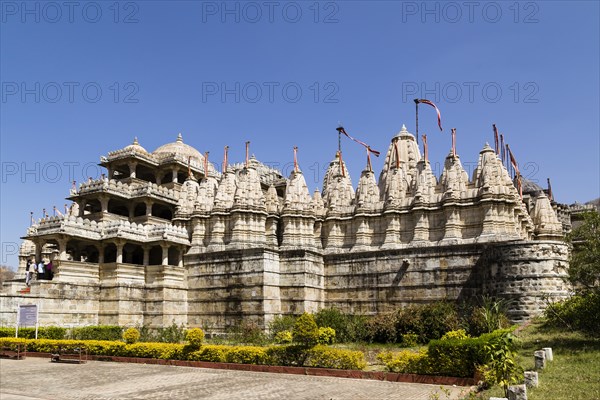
[146,260]
[82,207]
[100,254]
[158,178]
[132,169]
[175,171]
[148,208]
[119,252]
[180,257]
[62,248]
[111,172]
[165,254]
[38,251]
[131,211]
[104,204]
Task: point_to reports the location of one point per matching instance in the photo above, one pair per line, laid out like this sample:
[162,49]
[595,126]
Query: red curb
[279,369]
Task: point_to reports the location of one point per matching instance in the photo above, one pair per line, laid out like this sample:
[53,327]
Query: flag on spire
[224,167]
[341,129]
[295,158]
[247,153]
[428,102]
[495,138]
[206,164]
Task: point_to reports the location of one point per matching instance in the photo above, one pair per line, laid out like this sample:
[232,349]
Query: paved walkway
[38,378]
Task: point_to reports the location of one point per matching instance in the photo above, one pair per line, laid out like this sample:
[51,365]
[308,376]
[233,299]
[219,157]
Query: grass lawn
[573,375]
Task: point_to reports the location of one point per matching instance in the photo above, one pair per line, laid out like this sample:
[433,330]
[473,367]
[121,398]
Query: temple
[165,238]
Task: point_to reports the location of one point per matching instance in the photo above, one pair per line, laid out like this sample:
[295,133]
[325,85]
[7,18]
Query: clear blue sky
[223,74]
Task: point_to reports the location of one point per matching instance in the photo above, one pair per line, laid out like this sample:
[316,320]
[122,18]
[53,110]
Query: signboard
[28,315]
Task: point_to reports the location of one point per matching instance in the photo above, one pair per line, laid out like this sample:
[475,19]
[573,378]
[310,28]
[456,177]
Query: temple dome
[179,148]
[135,146]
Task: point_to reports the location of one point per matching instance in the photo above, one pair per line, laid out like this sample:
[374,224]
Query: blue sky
[83,79]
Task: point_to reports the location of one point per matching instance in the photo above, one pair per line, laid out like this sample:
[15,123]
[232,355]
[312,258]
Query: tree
[584,270]
[6,273]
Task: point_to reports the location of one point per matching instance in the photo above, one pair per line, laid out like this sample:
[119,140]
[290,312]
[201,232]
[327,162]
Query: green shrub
[290,355]
[210,353]
[488,316]
[458,334]
[382,328]
[99,332]
[44,332]
[195,337]
[166,351]
[410,339]
[247,355]
[428,321]
[248,332]
[579,312]
[170,334]
[131,335]
[406,362]
[281,323]
[348,328]
[326,335]
[305,332]
[283,337]
[461,357]
[327,357]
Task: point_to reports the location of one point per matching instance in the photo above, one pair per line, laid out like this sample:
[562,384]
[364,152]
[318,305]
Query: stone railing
[92,230]
[131,152]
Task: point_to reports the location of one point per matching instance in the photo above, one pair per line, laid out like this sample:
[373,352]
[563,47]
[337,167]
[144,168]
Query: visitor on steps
[41,270]
[49,271]
[29,271]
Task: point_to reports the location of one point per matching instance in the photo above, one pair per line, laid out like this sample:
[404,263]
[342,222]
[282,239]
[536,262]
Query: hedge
[449,357]
[44,332]
[318,356]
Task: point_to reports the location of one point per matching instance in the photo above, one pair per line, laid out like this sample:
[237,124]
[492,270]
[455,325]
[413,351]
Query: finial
[403,129]
[180,138]
[135,141]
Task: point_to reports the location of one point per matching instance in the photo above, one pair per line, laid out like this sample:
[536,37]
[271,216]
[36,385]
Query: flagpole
[417,119]
[247,153]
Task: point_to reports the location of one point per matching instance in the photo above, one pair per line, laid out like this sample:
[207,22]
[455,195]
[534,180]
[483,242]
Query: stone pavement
[38,378]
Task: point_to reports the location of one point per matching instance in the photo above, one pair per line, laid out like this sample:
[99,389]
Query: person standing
[49,271]
[29,271]
[41,270]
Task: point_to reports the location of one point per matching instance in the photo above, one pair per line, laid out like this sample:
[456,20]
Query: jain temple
[165,238]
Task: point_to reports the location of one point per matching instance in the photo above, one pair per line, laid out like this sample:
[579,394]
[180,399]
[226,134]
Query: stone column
[38,251]
[104,204]
[132,169]
[148,208]
[82,207]
[175,171]
[119,252]
[180,257]
[165,254]
[158,178]
[111,172]
[101,254]
[146,255]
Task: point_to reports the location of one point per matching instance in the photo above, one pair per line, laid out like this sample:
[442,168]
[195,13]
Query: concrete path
[38,378]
